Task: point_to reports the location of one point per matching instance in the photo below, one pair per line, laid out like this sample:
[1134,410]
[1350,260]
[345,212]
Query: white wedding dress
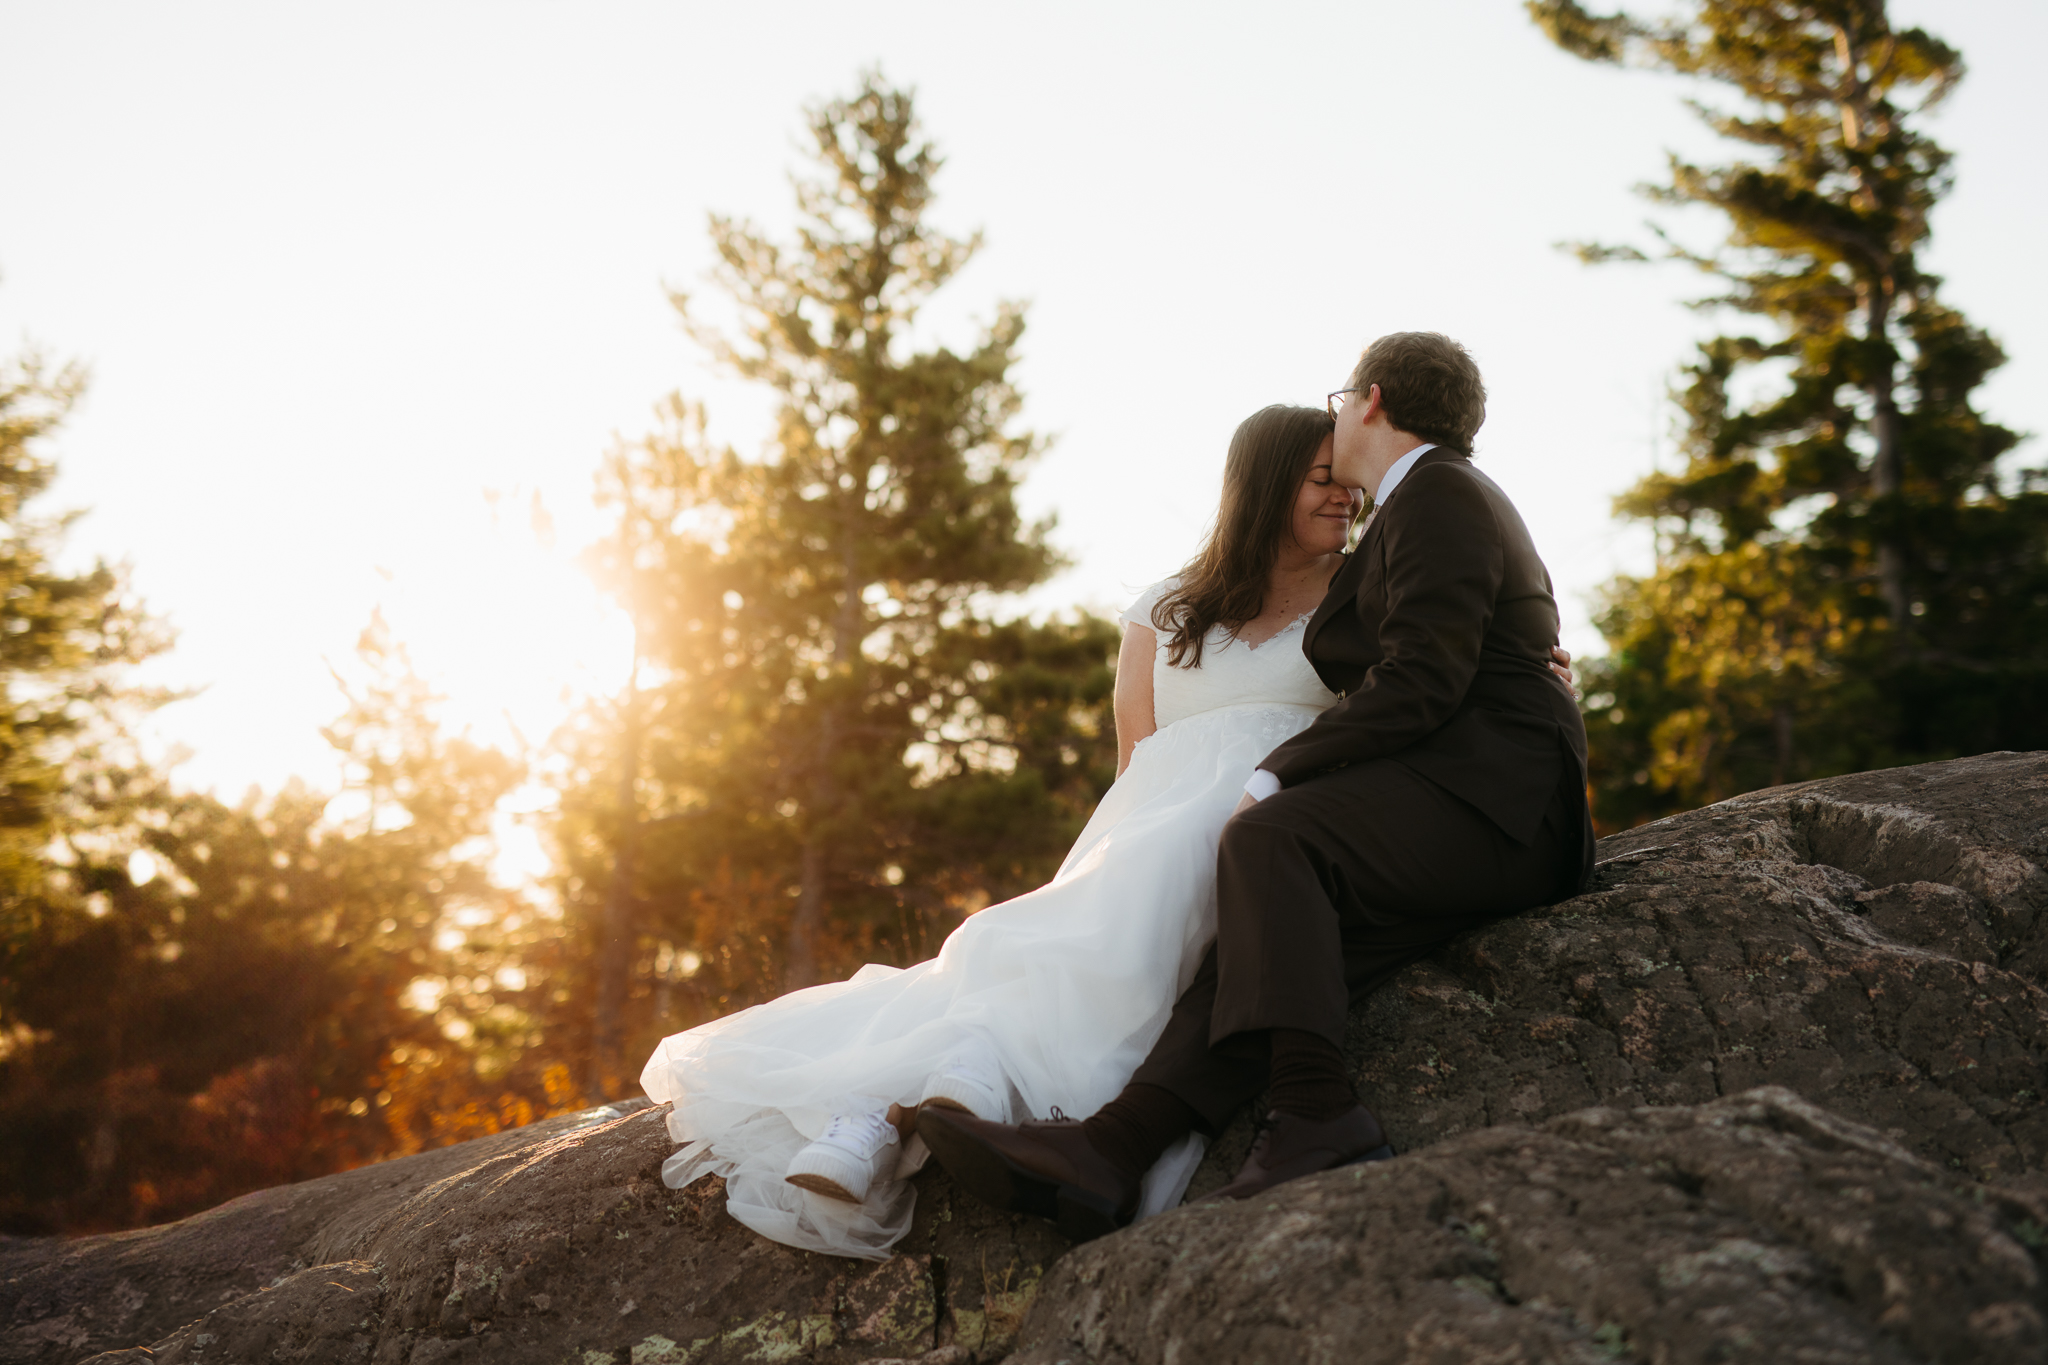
[1069,985]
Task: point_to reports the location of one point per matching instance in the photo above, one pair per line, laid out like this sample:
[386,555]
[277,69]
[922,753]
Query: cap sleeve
[1139,613]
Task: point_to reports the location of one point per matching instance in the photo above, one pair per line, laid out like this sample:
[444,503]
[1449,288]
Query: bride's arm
[1134,718]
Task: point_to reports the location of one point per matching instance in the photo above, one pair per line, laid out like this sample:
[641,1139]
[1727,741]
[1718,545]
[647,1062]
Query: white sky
[340,269]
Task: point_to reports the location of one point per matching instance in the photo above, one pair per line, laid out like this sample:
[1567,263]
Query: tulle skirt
[1068,987]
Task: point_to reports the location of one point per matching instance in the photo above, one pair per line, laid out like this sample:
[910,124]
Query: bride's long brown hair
[1225,584]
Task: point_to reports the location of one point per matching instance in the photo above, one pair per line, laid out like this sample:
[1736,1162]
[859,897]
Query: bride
[1045,1003]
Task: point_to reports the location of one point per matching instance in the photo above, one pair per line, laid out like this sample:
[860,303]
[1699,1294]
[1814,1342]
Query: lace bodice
[1232,673]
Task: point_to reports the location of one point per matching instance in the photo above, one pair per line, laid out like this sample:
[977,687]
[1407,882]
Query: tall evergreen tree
[831,749]
[1848,577]
[66,640]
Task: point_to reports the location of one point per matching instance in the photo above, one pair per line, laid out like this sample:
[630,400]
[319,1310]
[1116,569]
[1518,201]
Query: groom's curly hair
[1271,453]
[1429,386]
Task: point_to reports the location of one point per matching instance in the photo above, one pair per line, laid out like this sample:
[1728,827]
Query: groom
[1445,788]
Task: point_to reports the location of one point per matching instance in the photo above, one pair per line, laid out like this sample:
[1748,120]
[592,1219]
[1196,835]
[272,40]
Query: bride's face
[1323,508]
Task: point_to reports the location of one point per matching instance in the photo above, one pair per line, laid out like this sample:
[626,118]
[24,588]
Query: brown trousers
[1326,889]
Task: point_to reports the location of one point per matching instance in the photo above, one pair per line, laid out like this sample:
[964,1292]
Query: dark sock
[1310,1080]
[1135,1127]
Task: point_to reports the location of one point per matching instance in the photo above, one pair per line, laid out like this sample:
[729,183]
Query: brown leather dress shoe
[1289,1147]
[1044,1168]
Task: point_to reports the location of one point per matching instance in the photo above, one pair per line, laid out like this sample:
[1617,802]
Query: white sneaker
[844,1162]
[971,1081]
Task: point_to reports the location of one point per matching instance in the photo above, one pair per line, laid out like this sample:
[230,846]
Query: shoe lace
[1058,1116]
[865,1133]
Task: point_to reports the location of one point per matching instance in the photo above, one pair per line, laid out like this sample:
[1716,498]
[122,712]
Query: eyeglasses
[1335,402]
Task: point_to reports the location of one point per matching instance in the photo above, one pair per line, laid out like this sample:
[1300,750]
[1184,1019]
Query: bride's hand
[1561,664]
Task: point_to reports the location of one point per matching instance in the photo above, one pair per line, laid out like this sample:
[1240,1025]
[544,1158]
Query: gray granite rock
[554,1243]
[1876,943]
[1757,1227]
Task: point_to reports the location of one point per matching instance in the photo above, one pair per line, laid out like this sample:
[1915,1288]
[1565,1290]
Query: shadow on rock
[1876,943]
[1755,1228]
[557,1242]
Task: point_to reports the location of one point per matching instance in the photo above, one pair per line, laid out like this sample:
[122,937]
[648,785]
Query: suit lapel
[1343,588]
[1332,601]
[1344,584]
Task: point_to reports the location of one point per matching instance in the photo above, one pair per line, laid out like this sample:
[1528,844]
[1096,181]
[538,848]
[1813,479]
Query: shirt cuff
[1262,785]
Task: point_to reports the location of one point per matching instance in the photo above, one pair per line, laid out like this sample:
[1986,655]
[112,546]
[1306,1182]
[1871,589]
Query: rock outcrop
[1876,943]
[1757,1227]
[554,1243]
[1776,1087]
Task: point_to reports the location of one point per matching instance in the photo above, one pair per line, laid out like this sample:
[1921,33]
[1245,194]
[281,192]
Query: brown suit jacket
[1436,636]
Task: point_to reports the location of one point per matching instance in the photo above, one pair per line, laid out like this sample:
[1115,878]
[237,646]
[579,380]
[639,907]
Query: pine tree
[831,749]
[66,641]
[1848,577]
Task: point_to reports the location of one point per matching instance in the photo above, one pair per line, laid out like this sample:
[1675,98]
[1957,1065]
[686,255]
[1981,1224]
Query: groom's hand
[1561,664]
[1245,803]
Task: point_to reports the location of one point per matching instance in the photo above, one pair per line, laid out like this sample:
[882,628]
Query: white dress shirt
[1263,784]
